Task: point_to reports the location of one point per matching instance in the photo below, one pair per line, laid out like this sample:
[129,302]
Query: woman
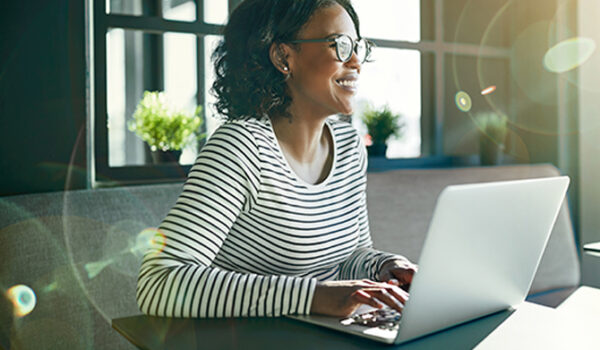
[272,219]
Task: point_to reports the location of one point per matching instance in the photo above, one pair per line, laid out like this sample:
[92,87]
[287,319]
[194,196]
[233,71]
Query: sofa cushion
[75,250]
[401,204]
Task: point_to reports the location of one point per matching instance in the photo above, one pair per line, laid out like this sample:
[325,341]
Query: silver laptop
[483,247]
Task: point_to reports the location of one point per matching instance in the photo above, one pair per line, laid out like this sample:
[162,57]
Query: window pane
[215,11]
[124,89]
[179,10]
[181,79]
[390,19]
[212,120]
[394,79]
[479,22]
[124,7]
[135,63]
[472,76]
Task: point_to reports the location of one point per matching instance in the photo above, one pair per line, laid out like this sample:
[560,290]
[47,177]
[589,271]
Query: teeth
[348,83]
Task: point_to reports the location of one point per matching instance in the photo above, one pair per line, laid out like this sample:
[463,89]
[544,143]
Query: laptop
[482,249]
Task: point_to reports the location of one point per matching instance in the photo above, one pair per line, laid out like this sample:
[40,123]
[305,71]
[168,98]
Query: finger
[395,299]
[398,293]
[369,283]
[387,298]
[393,288]
[393,281]
[363,297]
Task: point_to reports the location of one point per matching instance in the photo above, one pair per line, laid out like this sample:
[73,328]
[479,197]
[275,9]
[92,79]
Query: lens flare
[569,54]
[150,238]
[23,299]
[463,101]
[488,90]
[51,287]
[94,268]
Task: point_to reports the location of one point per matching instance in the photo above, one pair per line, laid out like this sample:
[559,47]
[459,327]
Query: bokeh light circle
[22,298]
[569,54]
[150,238]
[463,101]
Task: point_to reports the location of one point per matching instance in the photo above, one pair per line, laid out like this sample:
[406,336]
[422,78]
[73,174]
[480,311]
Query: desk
[573,324]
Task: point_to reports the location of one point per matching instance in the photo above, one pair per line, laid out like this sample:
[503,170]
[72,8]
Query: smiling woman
[272,219]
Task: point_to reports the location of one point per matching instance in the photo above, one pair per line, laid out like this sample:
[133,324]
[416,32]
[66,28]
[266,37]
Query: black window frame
[151,21]
[433,47]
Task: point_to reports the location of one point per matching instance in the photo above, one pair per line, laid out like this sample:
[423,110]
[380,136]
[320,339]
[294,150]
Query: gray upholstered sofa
[78,252]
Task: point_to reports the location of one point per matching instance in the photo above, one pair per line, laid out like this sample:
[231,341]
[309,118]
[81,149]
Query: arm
[176,278]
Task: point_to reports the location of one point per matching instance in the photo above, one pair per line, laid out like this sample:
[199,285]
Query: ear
[279,54]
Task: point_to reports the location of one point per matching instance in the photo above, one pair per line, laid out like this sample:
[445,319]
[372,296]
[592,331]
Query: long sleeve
[176,278]
[365,261]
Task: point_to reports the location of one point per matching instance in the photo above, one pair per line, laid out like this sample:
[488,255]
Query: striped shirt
[248,237]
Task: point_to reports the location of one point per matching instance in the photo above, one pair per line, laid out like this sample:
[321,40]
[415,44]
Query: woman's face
[320,83]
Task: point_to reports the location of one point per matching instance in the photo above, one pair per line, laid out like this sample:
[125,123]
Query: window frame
[433,48]
[434,52]
[100,174]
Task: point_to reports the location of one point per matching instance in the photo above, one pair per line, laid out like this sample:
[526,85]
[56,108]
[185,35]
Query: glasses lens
[362,50]
[344,47]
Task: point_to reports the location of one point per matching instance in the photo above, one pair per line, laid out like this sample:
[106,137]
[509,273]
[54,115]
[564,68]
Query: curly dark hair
[247,83]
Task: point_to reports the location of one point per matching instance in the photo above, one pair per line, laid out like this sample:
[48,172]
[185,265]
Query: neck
[304,139]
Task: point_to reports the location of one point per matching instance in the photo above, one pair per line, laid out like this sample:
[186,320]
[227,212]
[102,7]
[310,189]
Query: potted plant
[165,129]
[381,125]
[493,128]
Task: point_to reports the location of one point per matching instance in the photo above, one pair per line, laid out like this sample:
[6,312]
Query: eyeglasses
[345,46]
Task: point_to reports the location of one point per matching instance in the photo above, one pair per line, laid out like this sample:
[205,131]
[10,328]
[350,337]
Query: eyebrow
[338,34]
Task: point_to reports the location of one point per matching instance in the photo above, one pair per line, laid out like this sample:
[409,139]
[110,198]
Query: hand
[342,298]
[399,272]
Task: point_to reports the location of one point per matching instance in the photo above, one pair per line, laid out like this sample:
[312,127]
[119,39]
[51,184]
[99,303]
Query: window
[394,77]
[427,52]
[148,45]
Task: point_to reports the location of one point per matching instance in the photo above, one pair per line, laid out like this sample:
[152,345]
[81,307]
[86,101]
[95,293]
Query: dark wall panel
[42,96]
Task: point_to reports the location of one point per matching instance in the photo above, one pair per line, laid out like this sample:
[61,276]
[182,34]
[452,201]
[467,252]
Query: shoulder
[348,141]
[345,134]
[252,129]
[237,138]
[341,127]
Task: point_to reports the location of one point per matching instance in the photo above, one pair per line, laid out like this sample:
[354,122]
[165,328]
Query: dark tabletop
[148,332]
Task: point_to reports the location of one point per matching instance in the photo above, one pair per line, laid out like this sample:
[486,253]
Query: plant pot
[377,150]
[162,157]
[490,153]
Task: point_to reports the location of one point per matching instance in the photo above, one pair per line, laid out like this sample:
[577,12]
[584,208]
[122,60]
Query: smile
[352,84]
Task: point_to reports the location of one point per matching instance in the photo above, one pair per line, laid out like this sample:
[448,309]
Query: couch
[78,251]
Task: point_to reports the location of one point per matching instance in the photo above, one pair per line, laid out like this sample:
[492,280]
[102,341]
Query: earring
[286,69]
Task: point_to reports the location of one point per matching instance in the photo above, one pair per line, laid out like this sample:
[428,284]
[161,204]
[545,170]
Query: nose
[354,62]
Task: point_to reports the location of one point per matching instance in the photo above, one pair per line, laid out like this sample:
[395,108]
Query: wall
[589,136]
[42,96]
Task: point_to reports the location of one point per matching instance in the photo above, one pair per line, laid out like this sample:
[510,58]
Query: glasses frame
[369,46]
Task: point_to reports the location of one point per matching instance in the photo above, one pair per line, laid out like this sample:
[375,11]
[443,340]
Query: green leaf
[163,127]
[382,124]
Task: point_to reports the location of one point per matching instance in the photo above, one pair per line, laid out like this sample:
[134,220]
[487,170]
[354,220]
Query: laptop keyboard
[388,319]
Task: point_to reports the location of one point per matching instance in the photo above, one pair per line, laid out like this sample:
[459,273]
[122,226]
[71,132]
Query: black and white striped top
[247,237]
